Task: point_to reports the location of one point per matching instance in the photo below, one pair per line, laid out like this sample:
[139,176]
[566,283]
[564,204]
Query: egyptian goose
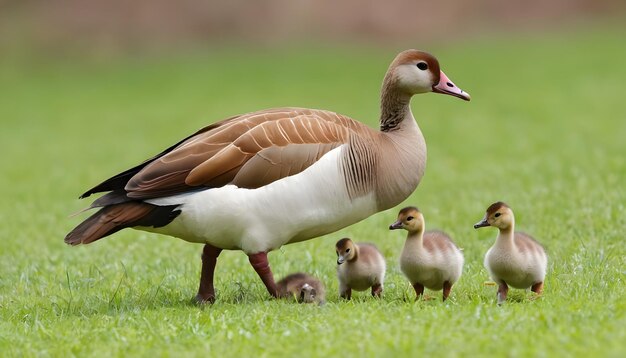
[257,181]
[429,259]
[359,267]
[303,287]
[516,259]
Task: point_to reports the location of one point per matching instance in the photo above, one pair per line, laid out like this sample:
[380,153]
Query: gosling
[360,266]
[516,259]
[302,287]
[429,259]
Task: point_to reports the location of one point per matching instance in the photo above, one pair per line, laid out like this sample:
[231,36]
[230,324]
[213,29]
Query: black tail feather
[113,218]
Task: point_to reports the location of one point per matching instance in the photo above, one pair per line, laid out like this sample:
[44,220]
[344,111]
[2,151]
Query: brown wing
[250,151]
[274,163]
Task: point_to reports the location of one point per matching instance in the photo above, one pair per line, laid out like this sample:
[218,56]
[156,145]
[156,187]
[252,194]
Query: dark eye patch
[497,214]
[409,218]
[422,66]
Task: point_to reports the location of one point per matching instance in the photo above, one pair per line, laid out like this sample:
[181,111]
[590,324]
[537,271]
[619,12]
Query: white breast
[430,269]
[517,269]
[300,207]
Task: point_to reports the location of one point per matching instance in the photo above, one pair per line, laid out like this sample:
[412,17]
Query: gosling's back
[303,287]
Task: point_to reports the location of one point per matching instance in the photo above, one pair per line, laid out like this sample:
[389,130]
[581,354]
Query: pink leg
[419,290]
[262,267]
[377,290]
[206,292]
[447,287]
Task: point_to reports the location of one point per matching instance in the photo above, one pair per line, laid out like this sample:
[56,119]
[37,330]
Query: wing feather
[264,136]
[275,163]
[250,151]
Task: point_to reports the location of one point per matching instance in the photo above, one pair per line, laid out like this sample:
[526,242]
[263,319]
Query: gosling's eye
[422,66]
[347,250]
[409,218]
[497,214]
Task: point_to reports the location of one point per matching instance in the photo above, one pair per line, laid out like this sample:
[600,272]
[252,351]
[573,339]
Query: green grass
[545,132]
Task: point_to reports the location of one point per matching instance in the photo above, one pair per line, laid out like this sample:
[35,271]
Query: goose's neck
[415,239]
[506,236]
[403,145]
[394,106]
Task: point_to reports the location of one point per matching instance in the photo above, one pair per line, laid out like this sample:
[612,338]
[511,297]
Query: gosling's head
[498,215]
[413,72]
[307,294]
[346,250]
[409,219]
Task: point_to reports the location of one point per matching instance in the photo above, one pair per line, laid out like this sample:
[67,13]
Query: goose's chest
[398,177]
[422,267]
[413,259]
[360,275]
[507,265]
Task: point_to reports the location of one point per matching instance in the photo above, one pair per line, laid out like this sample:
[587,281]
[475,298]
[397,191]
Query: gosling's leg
[206,291]
[377,290]
[262,268]
[537,288]
[345,292]
[447,287]
[419,290]
[503,289]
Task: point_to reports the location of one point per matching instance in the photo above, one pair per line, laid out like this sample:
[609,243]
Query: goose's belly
[516,270]
[360,275]
[300,207]
[431,269]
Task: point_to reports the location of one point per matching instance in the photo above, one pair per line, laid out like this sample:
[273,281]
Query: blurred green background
[90,88]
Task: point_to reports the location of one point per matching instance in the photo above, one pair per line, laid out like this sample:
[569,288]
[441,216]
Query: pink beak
[446,86]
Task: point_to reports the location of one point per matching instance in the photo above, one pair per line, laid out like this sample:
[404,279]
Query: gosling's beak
[481,223]
[396,225]
[445,86]
[340,260]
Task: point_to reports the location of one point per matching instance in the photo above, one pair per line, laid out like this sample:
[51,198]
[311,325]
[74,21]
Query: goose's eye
[347,250]
[422,66]
[497,214]
[409,218]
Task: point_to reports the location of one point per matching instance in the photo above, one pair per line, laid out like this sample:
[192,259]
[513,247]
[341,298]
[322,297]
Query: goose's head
[498,215]
[409,219]
[346,250]
[413,72]
[307,294]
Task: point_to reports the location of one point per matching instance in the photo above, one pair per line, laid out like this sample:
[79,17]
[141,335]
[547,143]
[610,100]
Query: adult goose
[257,181]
